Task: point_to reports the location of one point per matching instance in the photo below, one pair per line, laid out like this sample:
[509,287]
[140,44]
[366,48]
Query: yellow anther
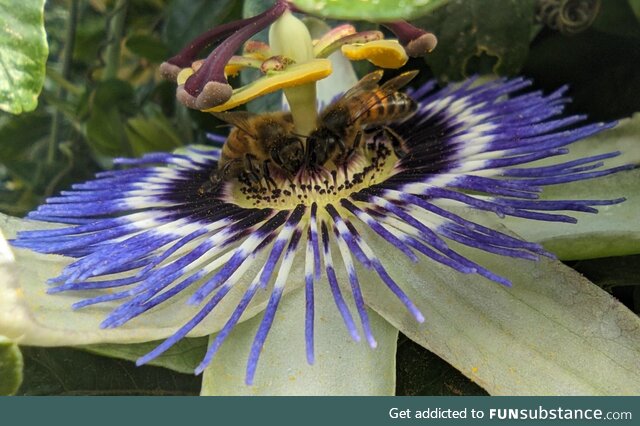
[381,53]
[184,75]
[294,75]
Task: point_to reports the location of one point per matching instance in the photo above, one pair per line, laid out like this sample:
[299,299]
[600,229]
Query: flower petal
[342,366]
[614,231]
[183,357]
[552,333]
[31,316]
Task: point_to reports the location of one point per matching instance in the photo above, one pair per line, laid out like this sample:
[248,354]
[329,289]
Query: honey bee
[365,107]
[256,143]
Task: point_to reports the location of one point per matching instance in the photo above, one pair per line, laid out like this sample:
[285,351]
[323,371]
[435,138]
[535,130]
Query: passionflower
[467,145]
[146,239]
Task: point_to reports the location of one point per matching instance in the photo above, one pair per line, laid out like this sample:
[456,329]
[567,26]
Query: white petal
[342,366]
[615,230]
[30,316]
[553,333]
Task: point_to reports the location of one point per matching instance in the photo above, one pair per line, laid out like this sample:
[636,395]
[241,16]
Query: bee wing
[367,83]
[239,119]
[378,94]
[398,82]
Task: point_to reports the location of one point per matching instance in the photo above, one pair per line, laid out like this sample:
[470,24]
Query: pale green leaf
[552,333]
[378,11]
[10,367]
[342,366]
[23,54]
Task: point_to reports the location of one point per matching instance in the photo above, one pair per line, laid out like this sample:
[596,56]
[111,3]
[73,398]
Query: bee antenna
[237,119]
[242,129]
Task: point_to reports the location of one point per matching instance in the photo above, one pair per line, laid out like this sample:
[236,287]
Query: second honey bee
[260,144]
[256,143]
[365,107]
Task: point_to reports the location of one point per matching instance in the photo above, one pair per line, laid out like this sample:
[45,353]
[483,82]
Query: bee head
[320,144]
[288,154]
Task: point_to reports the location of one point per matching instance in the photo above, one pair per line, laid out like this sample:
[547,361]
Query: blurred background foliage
[103,97]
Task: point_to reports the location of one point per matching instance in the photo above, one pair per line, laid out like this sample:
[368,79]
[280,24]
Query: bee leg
[277,158]
[308,149]
[206,187]
[381,138]
[341,146]
[358,140]
[216,177]
[356,144]
[251,170]
[266,173]
[396,142]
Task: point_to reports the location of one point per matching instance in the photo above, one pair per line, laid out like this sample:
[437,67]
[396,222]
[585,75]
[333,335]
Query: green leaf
[23,54]
[186,19]
[19,134]
[635,6]
[148,46]
[151,133]
[552,333]
[615,230]
[10,367]
[581,61]
[109,103]
[105,132]
[182,357]
[617,17]
[65,371]
[379,11]
[342,366]
[479,36]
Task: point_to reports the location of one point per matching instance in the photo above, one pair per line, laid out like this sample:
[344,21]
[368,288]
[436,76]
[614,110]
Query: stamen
[171,67]
[208,86]
[416,42]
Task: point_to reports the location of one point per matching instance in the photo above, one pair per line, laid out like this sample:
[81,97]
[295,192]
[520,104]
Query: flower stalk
[289,36]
